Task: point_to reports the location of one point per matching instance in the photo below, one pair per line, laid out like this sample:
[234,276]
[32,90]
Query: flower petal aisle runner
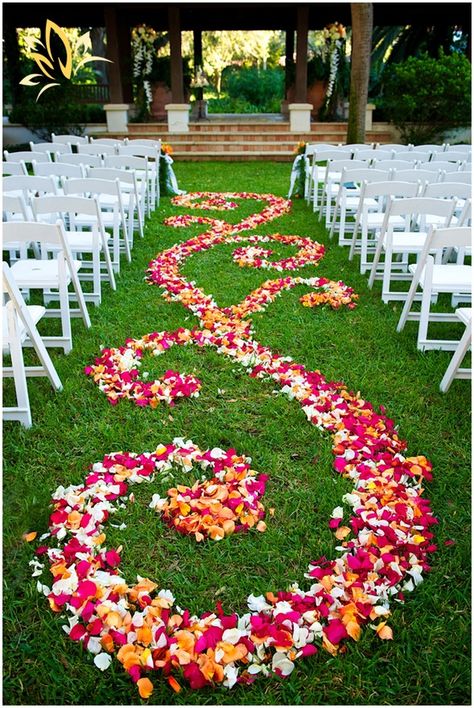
[381,527]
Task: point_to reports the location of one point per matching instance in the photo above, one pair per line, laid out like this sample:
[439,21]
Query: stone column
[178,110]
[119,71]
[300,110]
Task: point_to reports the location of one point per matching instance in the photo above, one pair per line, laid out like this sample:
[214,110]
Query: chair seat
[33,273]
[375,220]
[403,241]
[448,278]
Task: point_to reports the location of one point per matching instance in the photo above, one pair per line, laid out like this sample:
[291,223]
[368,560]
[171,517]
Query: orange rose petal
[384,631]
[145,687]
[29,536]
[174,684]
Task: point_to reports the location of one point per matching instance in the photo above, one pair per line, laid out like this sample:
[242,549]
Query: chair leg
[375,262]
[22,411]
[454,371]
[425,305]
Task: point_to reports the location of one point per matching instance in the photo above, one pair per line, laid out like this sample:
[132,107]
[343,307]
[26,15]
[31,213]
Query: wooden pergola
[118,18]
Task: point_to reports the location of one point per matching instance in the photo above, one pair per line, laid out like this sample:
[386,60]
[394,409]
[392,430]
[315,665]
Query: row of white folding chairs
[350,196]
[99,154]
[88,207]
[49,274]
[335,170]
[318,154]
[371,214]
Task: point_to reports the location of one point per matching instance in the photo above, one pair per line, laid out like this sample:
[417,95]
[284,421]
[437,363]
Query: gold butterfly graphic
[49,65]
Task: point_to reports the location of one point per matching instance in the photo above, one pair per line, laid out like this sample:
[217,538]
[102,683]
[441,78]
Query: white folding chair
[449,190]
[49,274]
[19,330]
[70,139]
[86,160]
[59,171]
[396,245]
[96,149]
[416,174]
[85,234]
[133,196]
[114,142]
[29,186]
[332,179]
[26,156]
[139,166]
[452,155]
[370,154]
[454,370]
[319,159]
[432,149]
[396,164]
[458,177]
[369,221]
[109,197]
[153,155]
[434,279]
[14,168]
[348,198]
[397,147]
[436,165]
[51,149]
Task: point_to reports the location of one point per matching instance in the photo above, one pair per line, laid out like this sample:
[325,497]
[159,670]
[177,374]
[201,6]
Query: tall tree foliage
[362,23]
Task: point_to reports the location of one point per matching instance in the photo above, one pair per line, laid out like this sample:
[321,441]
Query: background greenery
[428,662]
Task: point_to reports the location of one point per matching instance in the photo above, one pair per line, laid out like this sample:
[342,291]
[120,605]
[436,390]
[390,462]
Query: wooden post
[174,29]
[302,23]
[197,42]
[119,52]
[289,61]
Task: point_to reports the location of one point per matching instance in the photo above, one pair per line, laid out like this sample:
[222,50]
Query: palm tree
[362,22]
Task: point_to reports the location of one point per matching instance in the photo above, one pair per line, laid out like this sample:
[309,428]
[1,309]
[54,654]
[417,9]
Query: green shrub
[423,96]
[55,112]
[240,105]
[259,87]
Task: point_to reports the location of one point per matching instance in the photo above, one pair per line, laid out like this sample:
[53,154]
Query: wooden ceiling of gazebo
[233,16]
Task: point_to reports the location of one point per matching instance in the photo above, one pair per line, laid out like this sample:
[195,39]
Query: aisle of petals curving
[382,530]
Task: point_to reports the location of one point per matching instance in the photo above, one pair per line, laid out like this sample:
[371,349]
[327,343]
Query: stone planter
[161,96]
[315,94]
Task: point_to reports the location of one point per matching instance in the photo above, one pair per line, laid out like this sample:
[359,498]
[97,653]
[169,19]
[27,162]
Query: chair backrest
[394,146]
[448,190]
[436,165]
[26,156]
[458,177]
[14,204]
[431,148]
[420,155]
[462,147]
[58,169]
[112,173]
[29,185]
[464,218]
[416,175]
[406,156]
[14,168]
[70,139]
[360,174]
[85,159]
[451,156]
[115,142]
[334,153]
[391,188]
[394,164]
[57,206]
[96,149]
[128,162]
[50,148]
[28,231]
[152,153]
[419,206]
[147,142]
[92,186]
[371,154]
[337,166]
[452,236]
[359,146]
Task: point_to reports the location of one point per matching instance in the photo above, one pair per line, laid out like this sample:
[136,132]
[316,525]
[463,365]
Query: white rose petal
[102,661]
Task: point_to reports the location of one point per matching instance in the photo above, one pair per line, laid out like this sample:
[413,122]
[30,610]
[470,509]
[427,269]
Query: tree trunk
[362,23]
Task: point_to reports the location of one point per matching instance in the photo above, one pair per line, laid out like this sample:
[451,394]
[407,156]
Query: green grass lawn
[428,661]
